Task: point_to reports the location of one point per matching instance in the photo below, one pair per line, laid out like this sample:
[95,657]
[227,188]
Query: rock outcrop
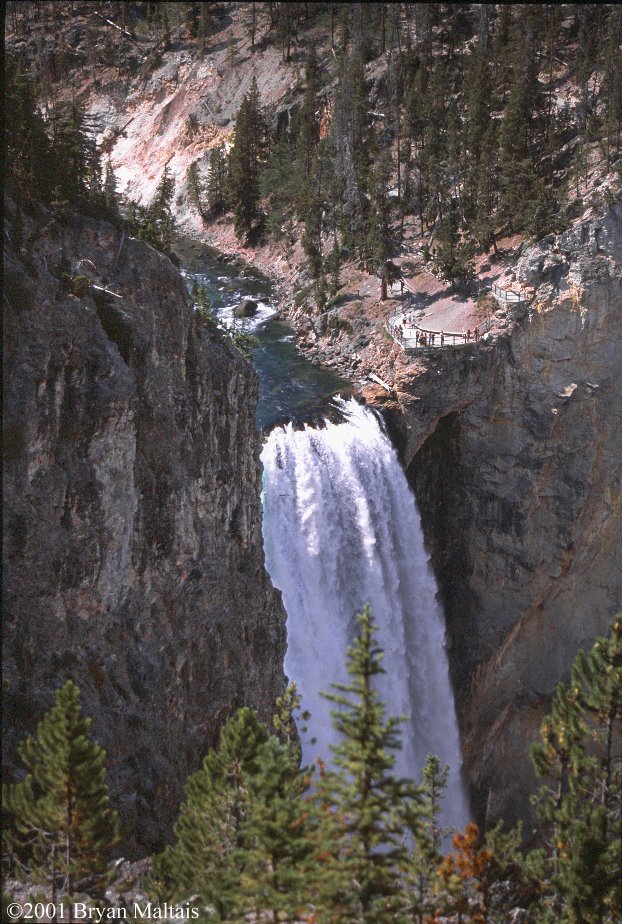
[514,449]
[133,551]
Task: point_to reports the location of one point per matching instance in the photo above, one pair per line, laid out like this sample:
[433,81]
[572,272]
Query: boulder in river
[246,309]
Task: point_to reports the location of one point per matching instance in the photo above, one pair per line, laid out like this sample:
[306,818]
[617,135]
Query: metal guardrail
[507,295]
[416,337]
[412,335]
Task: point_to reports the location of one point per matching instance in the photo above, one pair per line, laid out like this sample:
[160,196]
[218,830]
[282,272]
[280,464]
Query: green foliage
[580,806]
[244,342]
[243,834]
[247,157]
[217,180]
[60,827]
[255,838]
[453,257]
[203,306]
[195,189]
[159,222]
[367,804]
[279,186]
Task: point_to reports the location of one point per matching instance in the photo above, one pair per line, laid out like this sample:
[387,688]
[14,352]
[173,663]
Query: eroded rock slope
[133,551]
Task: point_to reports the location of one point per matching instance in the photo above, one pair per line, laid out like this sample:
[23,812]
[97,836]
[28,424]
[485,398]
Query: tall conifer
[247,156]
[62,827]
[365,800]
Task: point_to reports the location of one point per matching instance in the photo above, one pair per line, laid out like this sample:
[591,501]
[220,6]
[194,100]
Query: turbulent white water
[341,529]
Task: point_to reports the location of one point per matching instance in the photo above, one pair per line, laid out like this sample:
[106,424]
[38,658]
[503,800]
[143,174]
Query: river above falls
[291,388]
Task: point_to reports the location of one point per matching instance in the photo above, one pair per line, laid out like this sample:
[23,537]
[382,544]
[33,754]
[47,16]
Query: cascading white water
[341,529]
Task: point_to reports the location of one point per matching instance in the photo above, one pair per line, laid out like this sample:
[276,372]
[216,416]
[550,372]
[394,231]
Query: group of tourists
[429,337]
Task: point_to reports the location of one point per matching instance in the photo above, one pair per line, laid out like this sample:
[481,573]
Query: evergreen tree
[308,134]
[277,855]
[217,180]
[580,807]
[453,257]
[195,191]
[243,839]
[160,224]
[208,830]
[424,857]
[246,158]
[350,132]
[518,153]
[62,827]
[486,191]
[279,188]
[110,196]
[612,87]
[76,157]
[379,239]
[28,155]
[365,822]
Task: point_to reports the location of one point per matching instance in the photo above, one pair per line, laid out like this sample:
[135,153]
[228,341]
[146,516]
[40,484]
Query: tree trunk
[383,288]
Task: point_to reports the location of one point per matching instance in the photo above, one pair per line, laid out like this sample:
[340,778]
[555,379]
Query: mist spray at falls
[341,529]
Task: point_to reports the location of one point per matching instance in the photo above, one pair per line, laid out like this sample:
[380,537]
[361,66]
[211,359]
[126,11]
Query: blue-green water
[290,387]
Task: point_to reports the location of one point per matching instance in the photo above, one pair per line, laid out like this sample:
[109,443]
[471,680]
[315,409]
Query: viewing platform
[413,336]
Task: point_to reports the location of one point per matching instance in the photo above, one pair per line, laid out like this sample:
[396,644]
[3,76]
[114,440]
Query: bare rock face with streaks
[133,551]
[514,449]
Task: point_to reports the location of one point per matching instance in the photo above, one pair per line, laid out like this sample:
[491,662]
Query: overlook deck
[413,336]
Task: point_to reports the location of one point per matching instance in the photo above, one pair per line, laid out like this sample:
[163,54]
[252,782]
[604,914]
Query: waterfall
[341,529]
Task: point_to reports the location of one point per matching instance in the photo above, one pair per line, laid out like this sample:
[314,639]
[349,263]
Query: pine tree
[160,224]
[28,155]
[279,188]
[77,160]
[518,153]
[207,832]
[246,158]
[243,836]
[110,196]
[453,257]
[486,191]
[379,245]
[62,826]
[277,855]
[195,190]
[217,180]
[308,134]
[423,820]
[580,807]
[365,822]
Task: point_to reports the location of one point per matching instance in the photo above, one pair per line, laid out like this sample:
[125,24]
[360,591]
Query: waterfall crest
[341,529]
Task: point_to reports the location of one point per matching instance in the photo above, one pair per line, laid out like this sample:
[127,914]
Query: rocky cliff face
[133,551]
[514,449]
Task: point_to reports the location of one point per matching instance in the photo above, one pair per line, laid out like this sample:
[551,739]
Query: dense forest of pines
[347,841]
[463,126]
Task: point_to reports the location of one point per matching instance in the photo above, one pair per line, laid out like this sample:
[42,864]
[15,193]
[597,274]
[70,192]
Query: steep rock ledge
[133,550]
[514,450]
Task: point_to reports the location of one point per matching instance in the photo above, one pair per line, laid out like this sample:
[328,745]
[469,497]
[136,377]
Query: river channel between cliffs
[341,530]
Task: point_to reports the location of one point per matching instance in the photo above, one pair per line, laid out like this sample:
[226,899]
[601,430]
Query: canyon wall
[514,449]
[133,559]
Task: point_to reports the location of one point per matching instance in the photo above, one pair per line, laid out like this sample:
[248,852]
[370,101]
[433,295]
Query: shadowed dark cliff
[133,557]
